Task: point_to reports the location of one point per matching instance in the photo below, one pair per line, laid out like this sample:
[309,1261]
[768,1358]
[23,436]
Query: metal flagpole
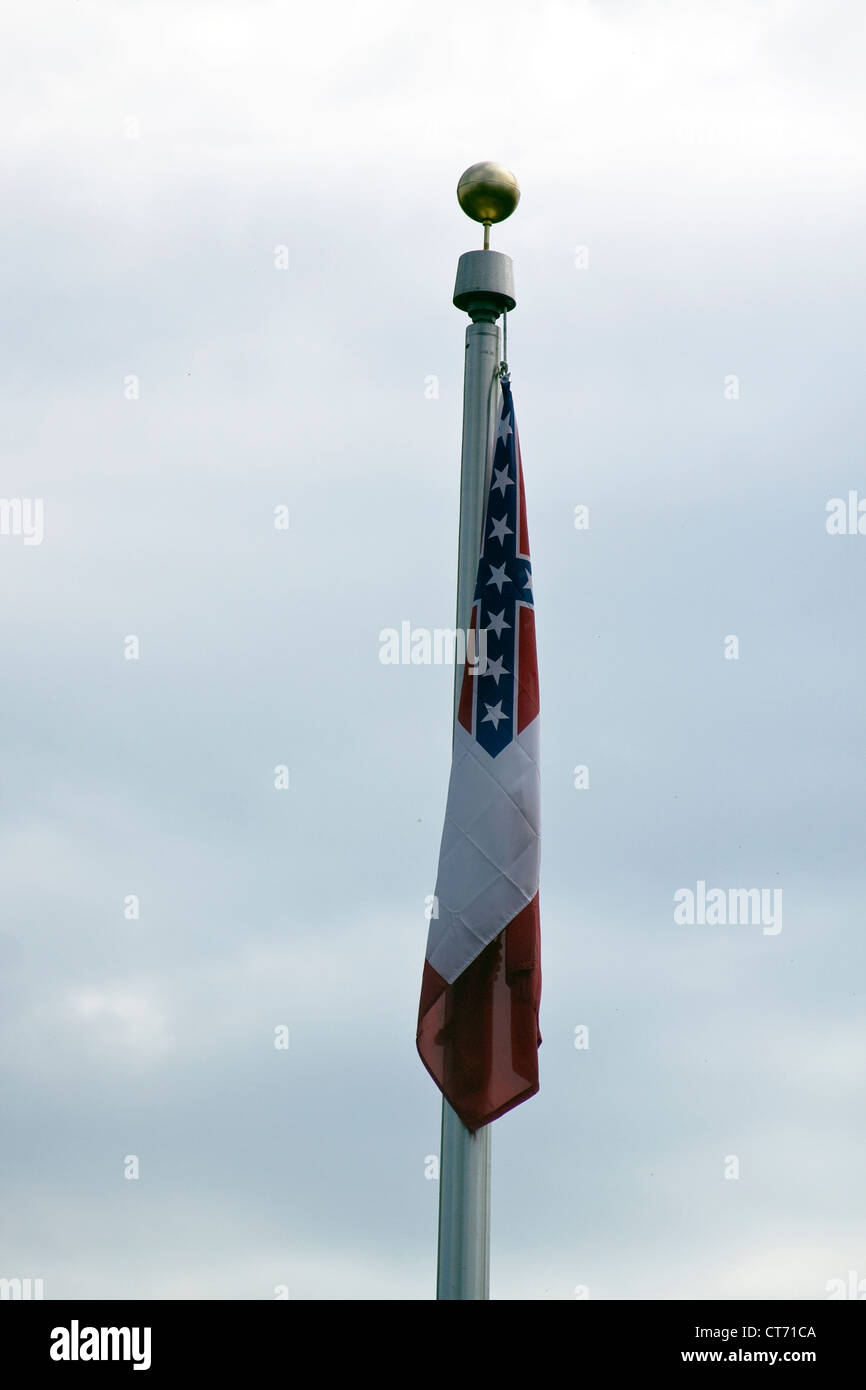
[484,289]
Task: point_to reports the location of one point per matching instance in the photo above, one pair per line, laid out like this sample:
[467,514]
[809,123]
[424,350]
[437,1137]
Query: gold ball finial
[488,193]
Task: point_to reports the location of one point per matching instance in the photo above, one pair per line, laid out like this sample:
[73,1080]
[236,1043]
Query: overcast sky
[230,242]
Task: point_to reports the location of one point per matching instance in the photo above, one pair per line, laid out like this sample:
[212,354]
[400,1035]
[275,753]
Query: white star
[501,479]
[500,529]
[494,714]
[497,623]
[498,576]
[504,429]
[495,669]
[528,581]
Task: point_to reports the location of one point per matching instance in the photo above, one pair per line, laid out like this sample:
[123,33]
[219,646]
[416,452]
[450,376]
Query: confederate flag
[478,1020]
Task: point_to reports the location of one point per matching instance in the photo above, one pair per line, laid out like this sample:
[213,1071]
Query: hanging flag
[478,1019]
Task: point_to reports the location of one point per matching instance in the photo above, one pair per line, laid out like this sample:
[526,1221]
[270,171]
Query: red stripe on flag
[527,670]
[479,1037]
[523,548]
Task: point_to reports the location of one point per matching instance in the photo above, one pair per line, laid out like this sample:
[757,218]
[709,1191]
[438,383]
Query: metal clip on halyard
[504,374]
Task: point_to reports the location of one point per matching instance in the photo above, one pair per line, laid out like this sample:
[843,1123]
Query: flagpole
[484,289]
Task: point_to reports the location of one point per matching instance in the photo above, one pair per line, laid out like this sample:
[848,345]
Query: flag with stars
[478,1019]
